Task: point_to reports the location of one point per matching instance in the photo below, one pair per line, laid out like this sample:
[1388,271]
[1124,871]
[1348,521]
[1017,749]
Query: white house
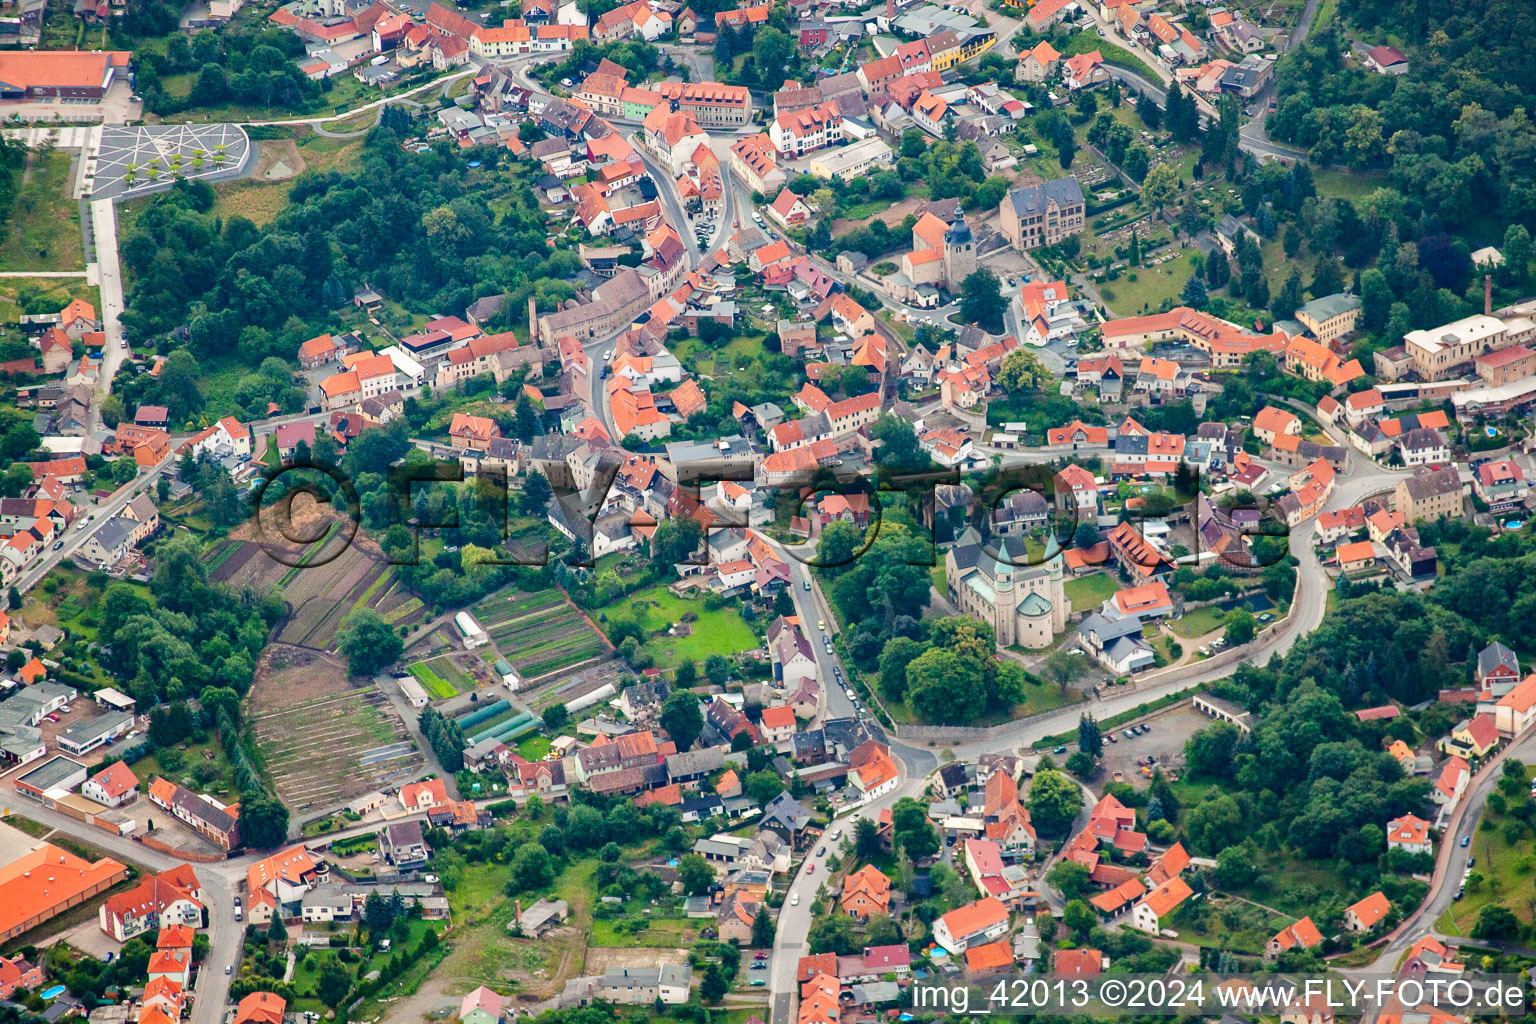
[1410,833]
[971,925]
[1159,904]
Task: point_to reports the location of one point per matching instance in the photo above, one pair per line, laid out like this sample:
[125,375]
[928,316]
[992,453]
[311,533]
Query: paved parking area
[1170,730]
[125,156]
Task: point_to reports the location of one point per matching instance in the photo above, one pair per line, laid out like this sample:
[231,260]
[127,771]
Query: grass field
[1508,877]
[20,295]
[44,233]
[1227,924]
[261,201]
[1200,621]
[1090,591]
[1153,285]
[533,748]
[714,632]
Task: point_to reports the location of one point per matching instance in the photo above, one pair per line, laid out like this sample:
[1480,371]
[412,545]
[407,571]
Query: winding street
[1361,479]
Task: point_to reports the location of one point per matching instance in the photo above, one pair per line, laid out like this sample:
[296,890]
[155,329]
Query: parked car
[1113,738]
[794,900]
[807,585]
[1465,841]
[1059,750]
[810,869]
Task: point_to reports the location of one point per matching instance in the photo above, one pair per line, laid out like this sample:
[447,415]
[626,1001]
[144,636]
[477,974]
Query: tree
[1517,253]
[1194,293]
[1090,740]
[866,838]
[910,831]
[681,717]
[714,986]
[898,653]
[1148,110]
[1083,765]
[1079,919]
[771,50]
[717,668]
[1022,372]
[263,821]
[1289,298]
[946,687]
[763,786]
[1086,535]
[1496,921]
[276,931]
[1066,144]
[556,715]
[1063,669]
[1209,751]
[536,493]
[1070,879]
[1160,188]
[332,982]
[982,302]
[695,874]
[1241,625]
[762,929]
[368,641]
[1054,801]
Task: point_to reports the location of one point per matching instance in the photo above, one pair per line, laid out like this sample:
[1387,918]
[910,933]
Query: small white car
[794,900]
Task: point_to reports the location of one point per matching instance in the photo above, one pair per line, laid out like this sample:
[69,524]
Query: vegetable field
[540,633]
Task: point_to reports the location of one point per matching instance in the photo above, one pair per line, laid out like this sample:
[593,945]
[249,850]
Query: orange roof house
[994,956]
[1368,913]
[260,1008]
[1301,935]
[866,893]
[1077,961]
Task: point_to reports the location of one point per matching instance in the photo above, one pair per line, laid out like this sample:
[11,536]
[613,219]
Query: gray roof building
[1036,199]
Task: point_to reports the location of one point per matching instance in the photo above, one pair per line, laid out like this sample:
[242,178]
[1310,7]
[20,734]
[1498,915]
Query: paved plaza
[130,160]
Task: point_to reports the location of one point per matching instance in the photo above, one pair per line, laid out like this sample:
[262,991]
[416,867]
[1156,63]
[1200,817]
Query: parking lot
[1165,742]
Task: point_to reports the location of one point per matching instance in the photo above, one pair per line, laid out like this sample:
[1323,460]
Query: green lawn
[721,631]
[1351,185]
[1153,286]
[1090,591]
[533,748]
[940,579]
[1046,697]
[1508,877]
[1227,924]
[1200,621]
[44,232]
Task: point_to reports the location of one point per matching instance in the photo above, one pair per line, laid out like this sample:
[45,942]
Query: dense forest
[1315,777]
[1455,132]
[423,228]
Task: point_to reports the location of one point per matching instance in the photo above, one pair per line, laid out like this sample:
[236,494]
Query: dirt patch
[892,216]
[600,958]
[278,160]
[286,675]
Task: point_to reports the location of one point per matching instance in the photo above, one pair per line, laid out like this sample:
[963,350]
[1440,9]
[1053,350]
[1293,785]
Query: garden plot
[321,739]
[546,637]
[579,684]
[442,677]
[318,599]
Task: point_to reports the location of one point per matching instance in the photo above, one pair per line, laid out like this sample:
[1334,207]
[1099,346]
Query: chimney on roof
[1487,294]
[890,11]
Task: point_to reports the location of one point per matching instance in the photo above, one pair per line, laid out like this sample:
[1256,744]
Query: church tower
[959,253]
